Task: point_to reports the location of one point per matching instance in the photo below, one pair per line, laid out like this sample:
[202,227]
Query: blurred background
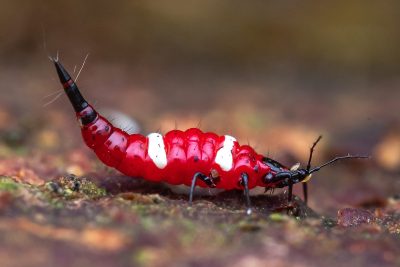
[275,74]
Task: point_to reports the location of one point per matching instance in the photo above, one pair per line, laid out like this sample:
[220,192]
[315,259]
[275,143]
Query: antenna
[312,151]
[336,159]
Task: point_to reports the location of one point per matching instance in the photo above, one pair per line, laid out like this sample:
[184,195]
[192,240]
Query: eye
[269,176]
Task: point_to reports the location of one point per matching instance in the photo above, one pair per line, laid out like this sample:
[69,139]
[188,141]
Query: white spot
[224,155]
[307,178]
[295,167]
[249,211]
[156,150]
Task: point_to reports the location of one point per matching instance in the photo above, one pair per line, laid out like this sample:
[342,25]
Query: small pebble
[353,217]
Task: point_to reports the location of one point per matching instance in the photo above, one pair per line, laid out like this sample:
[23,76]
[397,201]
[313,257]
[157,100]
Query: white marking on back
[224,155]
[156,150]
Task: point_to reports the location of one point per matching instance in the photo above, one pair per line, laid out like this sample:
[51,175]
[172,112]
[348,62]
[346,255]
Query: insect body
[190,157]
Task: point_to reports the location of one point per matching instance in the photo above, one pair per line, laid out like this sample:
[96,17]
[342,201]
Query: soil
[59,206]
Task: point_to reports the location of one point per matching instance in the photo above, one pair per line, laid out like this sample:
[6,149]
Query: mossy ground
[59,206]
[80,221]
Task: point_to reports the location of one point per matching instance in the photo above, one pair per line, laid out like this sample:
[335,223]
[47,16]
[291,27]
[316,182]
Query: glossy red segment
[133,163]
[244,163]
[208,147]
[187,153]
[173,158]
[96,133]
[194,162]
[176,170]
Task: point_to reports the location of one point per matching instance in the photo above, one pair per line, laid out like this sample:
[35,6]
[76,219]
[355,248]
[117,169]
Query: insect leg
[206,179]
[245,182]
[290,192]
[305,192]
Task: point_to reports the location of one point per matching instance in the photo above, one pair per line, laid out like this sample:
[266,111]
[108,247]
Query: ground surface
[60,206]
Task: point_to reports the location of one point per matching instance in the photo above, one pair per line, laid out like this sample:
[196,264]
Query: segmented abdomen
[173,158]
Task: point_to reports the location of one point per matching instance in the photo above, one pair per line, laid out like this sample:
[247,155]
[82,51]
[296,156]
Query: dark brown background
[275,74]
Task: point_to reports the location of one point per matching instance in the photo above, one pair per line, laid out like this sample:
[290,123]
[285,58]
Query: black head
[279,176]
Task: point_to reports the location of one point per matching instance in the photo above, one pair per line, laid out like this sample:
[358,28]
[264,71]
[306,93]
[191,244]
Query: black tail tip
[62,73]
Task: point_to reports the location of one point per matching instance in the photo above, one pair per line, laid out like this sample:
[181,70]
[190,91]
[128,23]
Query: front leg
[244,181]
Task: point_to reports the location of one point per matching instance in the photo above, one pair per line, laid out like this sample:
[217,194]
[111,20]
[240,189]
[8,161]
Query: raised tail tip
[52,58]
[62,73]
[71,89]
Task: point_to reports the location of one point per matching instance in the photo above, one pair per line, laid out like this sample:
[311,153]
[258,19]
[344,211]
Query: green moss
[145,256]
[8,184]
[278,217]
[141,198]
[249,226]
[72,187]
[328,222]
[91,190]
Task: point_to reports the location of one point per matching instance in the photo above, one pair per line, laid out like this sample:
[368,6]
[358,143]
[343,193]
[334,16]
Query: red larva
[190,157]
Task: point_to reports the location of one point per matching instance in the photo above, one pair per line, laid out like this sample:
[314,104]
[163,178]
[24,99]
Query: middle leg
[206,179]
